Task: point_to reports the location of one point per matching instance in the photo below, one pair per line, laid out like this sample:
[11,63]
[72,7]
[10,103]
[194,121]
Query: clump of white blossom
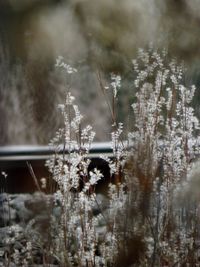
[164,142]
[149,222]
[77,230]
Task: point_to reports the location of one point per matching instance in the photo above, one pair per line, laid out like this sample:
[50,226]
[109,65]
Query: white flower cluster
[144,212]
[61,64]
[115,84]
[76,188]
[164,142]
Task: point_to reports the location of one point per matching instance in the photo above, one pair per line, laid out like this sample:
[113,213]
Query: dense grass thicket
[152,218]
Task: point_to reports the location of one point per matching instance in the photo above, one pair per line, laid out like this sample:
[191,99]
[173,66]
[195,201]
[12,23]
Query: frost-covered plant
[164,141]
[148,222]
[75,193]
[144,225]
[77,239]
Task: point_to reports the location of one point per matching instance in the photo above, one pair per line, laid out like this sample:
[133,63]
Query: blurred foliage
[94,35]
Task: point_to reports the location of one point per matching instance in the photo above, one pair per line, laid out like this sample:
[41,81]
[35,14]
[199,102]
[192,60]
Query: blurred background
[95,36]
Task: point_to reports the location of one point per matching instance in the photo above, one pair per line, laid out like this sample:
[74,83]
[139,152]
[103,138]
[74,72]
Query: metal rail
[34,152]
[14,160]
